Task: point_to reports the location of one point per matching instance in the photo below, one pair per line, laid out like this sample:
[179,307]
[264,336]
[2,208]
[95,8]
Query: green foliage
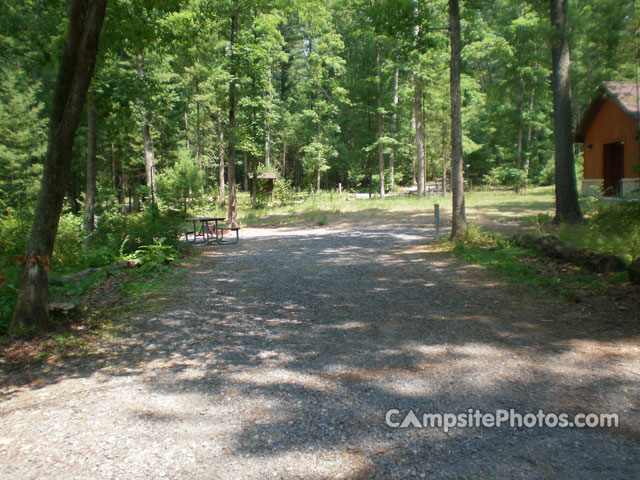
[611,226]
[526,267]
[547,174]
[69,241]
[155,257]
[127,233]
[507,177]
[15,226]
[283,191]
[23,138]
[181,183]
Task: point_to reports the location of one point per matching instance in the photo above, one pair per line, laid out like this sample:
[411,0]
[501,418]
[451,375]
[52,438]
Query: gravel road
[291,347]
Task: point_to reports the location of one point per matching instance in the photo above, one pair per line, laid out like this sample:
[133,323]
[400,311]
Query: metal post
[340,189]
[437,215]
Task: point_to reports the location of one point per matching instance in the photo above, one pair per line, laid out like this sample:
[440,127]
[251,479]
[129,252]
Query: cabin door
[613,167]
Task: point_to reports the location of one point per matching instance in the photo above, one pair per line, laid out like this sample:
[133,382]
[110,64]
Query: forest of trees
[188,97]
[323,92]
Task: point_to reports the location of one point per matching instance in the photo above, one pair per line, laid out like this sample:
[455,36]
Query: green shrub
[283,191]
[127,233]
[14,232]
[154,257]
[547,175]
[69,241]
[511,177]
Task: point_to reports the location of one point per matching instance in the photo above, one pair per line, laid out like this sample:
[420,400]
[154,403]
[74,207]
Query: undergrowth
[527,267]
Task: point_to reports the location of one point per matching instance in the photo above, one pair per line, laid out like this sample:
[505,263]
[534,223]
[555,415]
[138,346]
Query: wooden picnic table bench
[210,231]
[219,231]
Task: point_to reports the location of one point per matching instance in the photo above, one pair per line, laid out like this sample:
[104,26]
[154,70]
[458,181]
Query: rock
[63,311]
[608,263]
[634,271]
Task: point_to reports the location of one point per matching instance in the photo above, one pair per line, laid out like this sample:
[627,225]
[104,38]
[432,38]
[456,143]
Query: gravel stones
[293,344]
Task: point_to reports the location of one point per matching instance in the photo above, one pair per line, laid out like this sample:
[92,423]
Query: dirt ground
[287,352]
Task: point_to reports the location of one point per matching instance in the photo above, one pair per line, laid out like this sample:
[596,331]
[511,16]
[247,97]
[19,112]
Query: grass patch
[528,268]
[610,226]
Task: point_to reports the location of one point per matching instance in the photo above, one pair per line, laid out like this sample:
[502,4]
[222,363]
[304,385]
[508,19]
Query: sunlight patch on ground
[278,376]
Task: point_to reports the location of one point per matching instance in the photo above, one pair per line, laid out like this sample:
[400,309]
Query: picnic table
[207,230]
[210,231]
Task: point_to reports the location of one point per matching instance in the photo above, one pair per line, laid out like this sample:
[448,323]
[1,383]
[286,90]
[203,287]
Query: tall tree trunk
[527,157]
[113,167]
[420,147]
[74,76]
[414,181]
[520,122]
[284,156]
[221,196]
[232,219]
[520,125]
[267,140]
[380,121]
[567,206]
[444,159]
[90,191]
[245,171]
[394,124]
[198,137]
[122,192]
[186,128]
[149,162]
[459,218]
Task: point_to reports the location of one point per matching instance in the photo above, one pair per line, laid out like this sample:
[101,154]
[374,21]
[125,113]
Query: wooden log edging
[552,246]
[84,273]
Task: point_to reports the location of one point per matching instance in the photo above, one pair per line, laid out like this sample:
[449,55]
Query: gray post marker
[340,189]
[437,214]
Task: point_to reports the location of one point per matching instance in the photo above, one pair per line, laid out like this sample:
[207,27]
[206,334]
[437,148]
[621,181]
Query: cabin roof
[265,175]
[623,94]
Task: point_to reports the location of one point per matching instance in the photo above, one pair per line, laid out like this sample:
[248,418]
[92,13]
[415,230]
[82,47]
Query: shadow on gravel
[332,329]
[328,330]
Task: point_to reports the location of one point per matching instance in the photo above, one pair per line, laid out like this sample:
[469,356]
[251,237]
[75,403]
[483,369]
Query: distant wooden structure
[610,132]
[267,186]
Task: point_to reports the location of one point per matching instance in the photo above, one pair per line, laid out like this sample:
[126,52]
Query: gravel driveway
[291,347]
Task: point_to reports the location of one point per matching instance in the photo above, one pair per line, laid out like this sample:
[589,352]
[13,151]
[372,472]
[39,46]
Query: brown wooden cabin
[610,131]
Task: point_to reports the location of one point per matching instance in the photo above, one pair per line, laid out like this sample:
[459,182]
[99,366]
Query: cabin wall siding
[611,124]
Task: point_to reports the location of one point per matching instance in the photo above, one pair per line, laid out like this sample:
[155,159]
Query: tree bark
[113,167]
[199,137]
[232,219]
[520,122]
[267,126]
[90,191]
[245,172]
[414,181]
[459,218]
[520,126]
[380,121]
[419,139]
[149,161]
[444,159]
[74,76]
[186,128]
[527,157]
[394,124]
[221,196]
[122,192]
[284,156]
[567,206]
